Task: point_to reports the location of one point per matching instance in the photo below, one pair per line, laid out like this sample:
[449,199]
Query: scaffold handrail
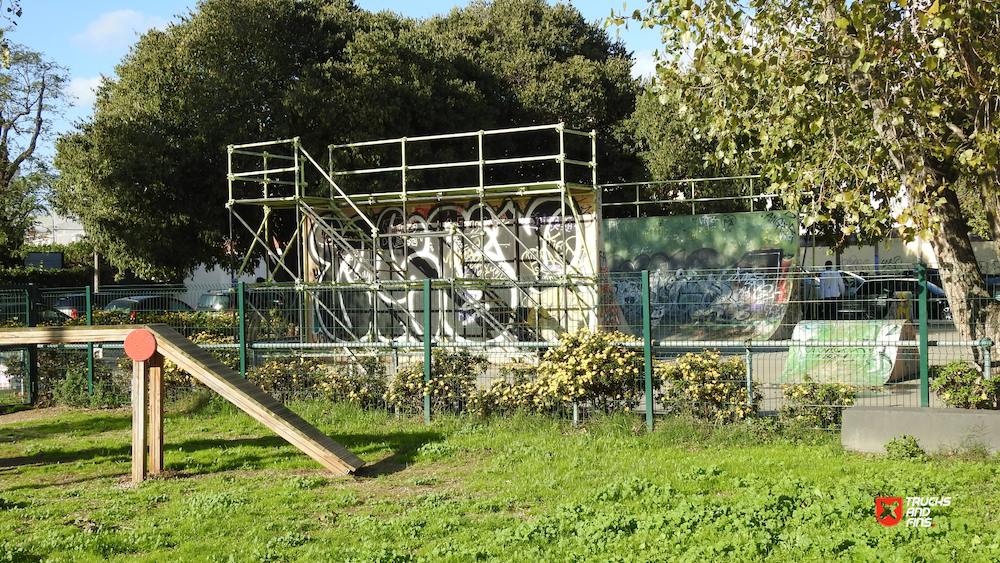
[682,181]
[252,174]
[290,141]
[465,134]
[460,164]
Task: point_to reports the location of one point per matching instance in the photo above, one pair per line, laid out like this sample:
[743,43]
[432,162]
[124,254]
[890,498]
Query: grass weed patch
[527,488]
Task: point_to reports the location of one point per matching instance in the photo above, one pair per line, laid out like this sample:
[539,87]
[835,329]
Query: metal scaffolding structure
[490,216]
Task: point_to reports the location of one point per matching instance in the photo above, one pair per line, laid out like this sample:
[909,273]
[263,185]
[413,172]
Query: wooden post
[156,414]
[140,419]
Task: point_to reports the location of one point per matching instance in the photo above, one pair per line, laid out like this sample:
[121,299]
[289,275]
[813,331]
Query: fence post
[986,343]
[242,311]
[749,370]
[31,296]
[647,349]
[427,349]
[90,345]
[925,390]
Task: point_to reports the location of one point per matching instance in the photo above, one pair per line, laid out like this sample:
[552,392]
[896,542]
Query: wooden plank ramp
[207,369]
[217,376]
[63,334]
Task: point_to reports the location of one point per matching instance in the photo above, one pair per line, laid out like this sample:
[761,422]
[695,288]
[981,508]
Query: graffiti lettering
[492,243]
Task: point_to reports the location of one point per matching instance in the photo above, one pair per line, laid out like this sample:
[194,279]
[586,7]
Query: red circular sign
[140,345]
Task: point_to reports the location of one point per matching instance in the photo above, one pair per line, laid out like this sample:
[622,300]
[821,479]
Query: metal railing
[879,338]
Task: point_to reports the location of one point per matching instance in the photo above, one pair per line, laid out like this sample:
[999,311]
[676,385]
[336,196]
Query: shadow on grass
[54,456]
[204,456]
[38,430]
[403,447]
[190,453]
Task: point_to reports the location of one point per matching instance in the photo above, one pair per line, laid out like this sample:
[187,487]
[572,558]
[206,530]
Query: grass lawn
[527,489]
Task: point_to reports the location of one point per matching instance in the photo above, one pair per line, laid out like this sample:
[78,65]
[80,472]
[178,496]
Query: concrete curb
[867,429]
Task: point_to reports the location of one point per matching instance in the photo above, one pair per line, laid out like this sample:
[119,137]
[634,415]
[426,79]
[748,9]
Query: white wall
[887,257]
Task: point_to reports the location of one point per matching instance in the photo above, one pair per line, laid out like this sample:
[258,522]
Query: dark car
[147,304]
[75,305]
[878,298]
[17,314]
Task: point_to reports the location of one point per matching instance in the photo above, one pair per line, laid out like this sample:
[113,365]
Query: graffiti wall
[719,276]
[492,244]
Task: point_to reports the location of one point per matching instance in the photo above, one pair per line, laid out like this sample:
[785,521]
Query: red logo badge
[888,510]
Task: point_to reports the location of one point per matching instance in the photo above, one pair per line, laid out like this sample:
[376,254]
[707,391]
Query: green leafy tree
[12,10]
[31,90]
[21,204]
[537,64]
[663,141]
[146,174]
[872,113]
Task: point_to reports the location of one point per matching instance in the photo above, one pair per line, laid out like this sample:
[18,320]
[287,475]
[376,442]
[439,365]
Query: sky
[89,37]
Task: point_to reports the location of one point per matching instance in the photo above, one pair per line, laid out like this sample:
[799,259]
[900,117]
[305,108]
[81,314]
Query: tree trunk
[975,312]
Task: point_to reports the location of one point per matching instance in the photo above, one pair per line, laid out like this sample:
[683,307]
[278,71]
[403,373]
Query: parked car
[876,299]
[215,301]
[17,314]
[75,305]
[147,304]
[225,300]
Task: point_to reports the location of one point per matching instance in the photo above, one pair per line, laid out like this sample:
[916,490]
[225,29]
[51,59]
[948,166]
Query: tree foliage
[146,174]
[663,142]
[31,90]
[11,10]
[872,113]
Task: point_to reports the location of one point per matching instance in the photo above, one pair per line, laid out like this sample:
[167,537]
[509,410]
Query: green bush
[452,382]
[62,378]
[816,405]
[961,384]
[74,390]
[904,447]
[585,367]
[708,387]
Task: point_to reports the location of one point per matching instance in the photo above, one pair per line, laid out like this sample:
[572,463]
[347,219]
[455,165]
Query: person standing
[831,290]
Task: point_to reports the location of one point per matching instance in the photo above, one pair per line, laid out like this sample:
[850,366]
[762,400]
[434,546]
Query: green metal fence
[762,338]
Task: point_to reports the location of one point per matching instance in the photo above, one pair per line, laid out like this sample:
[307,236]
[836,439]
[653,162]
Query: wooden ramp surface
[214,374]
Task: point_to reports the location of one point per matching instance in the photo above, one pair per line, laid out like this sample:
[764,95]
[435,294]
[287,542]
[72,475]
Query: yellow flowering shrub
[520,388]
[708,387]
[962,384]
[287,377]
[817,405]
[452,382]
[361,383]
[591,367]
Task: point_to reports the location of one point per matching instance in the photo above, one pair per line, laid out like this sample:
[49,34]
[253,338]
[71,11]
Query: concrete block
[867,429]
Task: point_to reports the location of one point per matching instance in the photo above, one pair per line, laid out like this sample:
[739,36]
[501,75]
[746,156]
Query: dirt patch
[29,415]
